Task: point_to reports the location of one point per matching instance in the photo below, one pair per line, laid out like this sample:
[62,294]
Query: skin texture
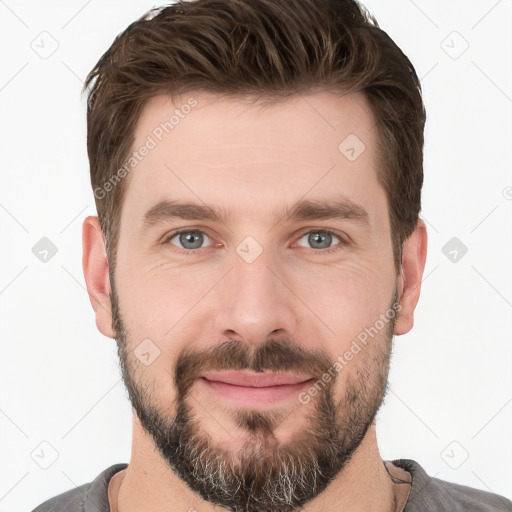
[295,308]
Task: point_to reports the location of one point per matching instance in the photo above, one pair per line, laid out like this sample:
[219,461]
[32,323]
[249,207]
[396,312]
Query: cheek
[346,298]
[155,299]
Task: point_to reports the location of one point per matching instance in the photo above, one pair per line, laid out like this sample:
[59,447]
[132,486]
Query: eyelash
[188,252]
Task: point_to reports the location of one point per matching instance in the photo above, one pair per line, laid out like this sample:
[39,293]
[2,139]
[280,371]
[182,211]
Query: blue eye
[320,239]
[192,239]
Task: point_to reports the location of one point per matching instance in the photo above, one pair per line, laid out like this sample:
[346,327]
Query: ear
[96,273]
[409,282]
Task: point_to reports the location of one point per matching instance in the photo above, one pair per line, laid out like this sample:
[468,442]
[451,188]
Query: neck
[149,484]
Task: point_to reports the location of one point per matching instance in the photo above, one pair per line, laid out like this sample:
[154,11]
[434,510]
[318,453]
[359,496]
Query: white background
[451,381]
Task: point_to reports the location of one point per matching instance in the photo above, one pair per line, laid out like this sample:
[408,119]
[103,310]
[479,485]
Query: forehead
[212,149]
[201,120]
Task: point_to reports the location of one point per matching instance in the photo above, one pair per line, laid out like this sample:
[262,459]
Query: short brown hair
[270,49]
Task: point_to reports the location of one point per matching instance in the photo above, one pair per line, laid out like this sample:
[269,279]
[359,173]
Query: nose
[255,301]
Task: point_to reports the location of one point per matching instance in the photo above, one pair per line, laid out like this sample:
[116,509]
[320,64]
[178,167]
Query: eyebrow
[303,210]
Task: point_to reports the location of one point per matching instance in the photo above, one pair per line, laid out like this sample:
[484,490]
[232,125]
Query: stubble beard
[264,475]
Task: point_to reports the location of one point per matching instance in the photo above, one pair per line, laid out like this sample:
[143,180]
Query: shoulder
[70,501]
[430,494]
[82,498]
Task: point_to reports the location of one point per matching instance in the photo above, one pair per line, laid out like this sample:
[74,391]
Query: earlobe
[96,273]
[409,282]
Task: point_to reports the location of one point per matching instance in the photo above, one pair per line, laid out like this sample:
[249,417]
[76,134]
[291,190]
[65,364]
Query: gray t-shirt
[427,495]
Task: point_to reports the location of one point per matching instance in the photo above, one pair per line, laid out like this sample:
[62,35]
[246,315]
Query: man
[257,169]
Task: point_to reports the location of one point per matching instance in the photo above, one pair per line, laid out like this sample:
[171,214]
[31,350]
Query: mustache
[277,355]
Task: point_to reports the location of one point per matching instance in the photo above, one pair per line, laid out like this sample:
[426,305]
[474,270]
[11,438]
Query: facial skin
[295,308]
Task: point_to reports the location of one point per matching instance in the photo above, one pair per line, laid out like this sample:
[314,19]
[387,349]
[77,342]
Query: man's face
[267,289]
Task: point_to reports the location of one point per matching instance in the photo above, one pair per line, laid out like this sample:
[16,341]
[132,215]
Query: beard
[265,474]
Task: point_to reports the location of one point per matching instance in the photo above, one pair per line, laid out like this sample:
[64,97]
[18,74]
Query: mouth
[254,389]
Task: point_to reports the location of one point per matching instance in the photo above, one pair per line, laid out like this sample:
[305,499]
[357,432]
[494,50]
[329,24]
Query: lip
[254,390]
[255,380]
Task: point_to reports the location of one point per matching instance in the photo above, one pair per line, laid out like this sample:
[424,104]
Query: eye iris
[322,238]
[188,237]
